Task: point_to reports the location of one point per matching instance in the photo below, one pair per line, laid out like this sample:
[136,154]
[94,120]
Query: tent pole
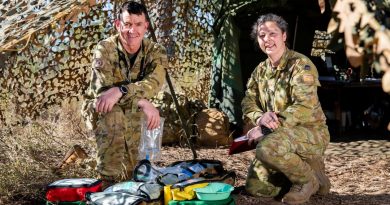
[173,94]
[295,32]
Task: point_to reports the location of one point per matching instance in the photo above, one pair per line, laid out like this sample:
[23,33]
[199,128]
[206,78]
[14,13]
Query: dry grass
[359,171]
[31,149]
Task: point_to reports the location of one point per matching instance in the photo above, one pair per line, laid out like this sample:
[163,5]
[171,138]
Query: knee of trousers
[271,149]
[112,122]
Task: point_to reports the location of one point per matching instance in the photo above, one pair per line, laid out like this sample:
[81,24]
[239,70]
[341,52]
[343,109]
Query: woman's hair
[282,24]
[133,8]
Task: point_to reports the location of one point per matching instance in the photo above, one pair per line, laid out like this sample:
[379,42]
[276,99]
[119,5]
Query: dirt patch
[359,171]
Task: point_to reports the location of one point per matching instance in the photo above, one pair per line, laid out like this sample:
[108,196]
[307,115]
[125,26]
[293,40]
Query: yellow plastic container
[186,193]
[167,194]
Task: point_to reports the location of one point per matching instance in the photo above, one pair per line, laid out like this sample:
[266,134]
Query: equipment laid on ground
[71,190]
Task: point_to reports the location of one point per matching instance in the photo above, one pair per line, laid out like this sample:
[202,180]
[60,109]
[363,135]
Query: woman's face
[271,39]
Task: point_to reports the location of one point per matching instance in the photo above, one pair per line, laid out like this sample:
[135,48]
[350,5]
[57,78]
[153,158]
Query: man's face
[271,38]
[132,28]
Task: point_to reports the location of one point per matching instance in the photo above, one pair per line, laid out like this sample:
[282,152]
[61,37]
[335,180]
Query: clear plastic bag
[150,143]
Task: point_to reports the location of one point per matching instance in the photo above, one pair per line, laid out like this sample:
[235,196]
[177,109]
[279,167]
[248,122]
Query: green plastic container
[214,191]
[228,201]
[66,203]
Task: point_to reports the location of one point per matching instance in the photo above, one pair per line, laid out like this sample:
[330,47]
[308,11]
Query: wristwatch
[123,90]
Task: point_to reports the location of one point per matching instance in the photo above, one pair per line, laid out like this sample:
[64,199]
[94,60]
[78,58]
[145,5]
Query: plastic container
[214,191]
[150,142]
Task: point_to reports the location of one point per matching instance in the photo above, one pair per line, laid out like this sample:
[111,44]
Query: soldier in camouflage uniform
[127,70]
[282,96]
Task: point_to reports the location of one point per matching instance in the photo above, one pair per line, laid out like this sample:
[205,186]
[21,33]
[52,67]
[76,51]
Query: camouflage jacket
[290,89]
[111,67]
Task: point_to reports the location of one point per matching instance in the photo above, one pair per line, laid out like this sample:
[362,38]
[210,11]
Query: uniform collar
[283,60]
[122,49]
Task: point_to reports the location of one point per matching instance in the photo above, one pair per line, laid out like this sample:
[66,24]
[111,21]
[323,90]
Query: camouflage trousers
[117,136]
[280,159]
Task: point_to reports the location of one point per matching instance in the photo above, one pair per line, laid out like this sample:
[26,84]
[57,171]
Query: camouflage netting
[362,28]
[45,50]
[46,47]
[320,44]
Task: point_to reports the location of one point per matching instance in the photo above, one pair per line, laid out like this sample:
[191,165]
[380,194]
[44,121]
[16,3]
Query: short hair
[282,24]
[133,8]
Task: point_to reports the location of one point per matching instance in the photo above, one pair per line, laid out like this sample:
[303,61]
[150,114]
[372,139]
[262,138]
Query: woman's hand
[254,134]
[269,119]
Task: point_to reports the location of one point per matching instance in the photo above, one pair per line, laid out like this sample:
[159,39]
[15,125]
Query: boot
[300,193]
[318,166]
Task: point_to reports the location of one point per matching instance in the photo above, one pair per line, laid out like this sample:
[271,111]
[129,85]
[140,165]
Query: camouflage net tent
[45,51]
[45,48]
[46,45]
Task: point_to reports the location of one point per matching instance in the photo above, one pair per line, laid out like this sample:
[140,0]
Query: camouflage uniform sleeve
[250,104]
[102,70]
[101,79]
[153,81]
[305,102]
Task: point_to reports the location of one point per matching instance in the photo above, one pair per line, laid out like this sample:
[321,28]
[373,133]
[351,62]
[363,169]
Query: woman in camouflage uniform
[282,96]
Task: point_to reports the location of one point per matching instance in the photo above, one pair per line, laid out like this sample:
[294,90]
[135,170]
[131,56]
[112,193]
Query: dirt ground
[359,171]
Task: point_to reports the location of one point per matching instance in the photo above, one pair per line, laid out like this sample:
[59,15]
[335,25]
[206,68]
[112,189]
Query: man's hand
[269,119]
[254,134]
[151,113]
[107,100]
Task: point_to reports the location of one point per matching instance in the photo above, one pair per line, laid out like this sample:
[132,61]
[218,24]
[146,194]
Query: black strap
[141,73]
[143,193]
[146,163]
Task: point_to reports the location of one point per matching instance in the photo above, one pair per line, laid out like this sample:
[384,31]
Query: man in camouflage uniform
[127,70]
[282,96]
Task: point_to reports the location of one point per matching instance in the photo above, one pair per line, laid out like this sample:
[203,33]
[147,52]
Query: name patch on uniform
[98,63]
[308,79]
